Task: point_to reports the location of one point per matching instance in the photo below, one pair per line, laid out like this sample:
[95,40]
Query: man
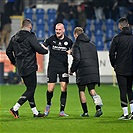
[120,55]
[21,51]
[5,31]
[59,46]
[85,64]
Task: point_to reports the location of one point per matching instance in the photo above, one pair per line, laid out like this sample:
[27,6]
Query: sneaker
[62,113]
[98,113]
[124,117]
[47,110]
[39,115]
[14,113]
[131,116]
[84,115]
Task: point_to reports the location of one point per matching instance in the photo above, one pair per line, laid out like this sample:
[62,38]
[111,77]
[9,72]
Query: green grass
[107,123]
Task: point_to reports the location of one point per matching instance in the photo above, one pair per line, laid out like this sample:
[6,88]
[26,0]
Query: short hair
[26,22]
[78,30]
[123,22]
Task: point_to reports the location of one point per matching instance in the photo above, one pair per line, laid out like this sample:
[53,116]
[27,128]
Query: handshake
[70,73]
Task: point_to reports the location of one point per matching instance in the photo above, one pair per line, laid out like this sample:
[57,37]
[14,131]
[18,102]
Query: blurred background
[98,18]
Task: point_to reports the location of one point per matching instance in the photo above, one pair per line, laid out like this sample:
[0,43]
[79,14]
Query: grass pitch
[107,123]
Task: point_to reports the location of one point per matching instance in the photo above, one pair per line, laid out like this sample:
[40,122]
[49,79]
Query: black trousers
[125,87]
[30,82]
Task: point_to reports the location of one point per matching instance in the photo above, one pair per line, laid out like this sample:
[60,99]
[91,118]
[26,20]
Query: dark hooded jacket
[22,50]
[85,61]
[120,52]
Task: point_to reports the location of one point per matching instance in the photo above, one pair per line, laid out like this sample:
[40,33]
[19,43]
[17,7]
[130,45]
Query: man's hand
[70,73]
[69,52]
[44,46]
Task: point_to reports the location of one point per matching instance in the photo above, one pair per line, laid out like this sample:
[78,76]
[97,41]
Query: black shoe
[131,116]
[124,117]
[39,115]
[84,115]
[14,113]
[98,113]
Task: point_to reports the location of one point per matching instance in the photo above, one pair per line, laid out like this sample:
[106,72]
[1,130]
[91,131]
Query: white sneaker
[62,113]
[124,117]
[131,116]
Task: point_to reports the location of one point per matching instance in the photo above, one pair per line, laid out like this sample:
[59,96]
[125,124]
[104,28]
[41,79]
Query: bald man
[59,47]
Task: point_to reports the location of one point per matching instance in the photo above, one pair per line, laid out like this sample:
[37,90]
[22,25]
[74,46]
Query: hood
[21,35]
[83,37]
[126,30]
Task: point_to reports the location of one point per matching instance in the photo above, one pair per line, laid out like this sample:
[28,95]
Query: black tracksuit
[21,51]
[120,55]
[85,61]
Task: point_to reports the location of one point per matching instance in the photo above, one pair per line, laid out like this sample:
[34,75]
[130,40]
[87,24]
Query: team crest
[65,43]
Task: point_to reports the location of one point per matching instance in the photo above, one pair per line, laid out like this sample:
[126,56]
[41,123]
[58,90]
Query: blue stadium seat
[50,29]
[110,34]
[99,42]
[88,32]
[40,34]
[109,23]
[66,24]
[28,13]
[51,17]
[88,27]
[108,45]
[40,21]
[97,24]
[40,31]
[51,14]
[72,24]
[88,22]
[40,12]
[98,33]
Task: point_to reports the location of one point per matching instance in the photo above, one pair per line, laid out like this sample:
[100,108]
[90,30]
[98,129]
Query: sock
[84,107]
[131,107]
[63,100]
[98,107]
[32,104]
[125,110]
[34,110]
[16,106]
[49,97]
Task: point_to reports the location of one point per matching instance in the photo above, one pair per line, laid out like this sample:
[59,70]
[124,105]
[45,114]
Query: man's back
[85,53]
[122,45]
[24,45]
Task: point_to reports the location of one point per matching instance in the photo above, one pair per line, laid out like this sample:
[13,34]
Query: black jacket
[85,61]
[120,52]
[22,50]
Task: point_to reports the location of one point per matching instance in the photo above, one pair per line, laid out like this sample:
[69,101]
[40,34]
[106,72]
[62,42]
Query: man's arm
[76,59]
[112,52]
[37,47]
[10,54]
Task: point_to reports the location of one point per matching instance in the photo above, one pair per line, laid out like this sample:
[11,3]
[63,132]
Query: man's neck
[25,28]
[62,37]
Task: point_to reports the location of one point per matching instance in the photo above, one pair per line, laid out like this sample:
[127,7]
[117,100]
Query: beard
[59,37]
